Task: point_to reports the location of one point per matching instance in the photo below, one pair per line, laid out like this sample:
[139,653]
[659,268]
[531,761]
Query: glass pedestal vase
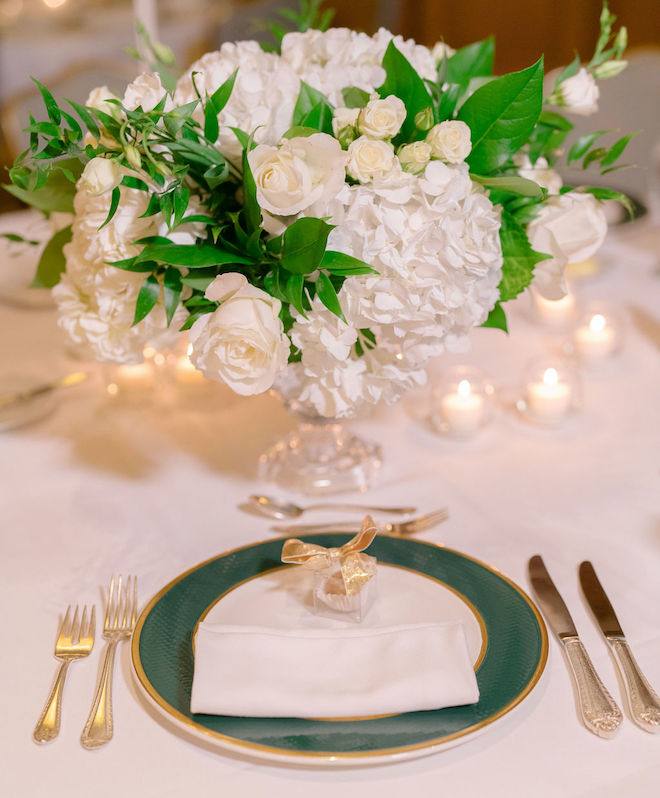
[321,456]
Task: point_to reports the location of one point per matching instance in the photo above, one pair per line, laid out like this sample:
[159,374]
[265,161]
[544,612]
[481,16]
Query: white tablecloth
[96,489]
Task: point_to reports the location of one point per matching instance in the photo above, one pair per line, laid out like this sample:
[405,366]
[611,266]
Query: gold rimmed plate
[418,581]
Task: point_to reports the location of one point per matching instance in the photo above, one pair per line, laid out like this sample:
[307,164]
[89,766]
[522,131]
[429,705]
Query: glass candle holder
[597,336]
[461,402]
[130,383]
[550,392]
[556,314]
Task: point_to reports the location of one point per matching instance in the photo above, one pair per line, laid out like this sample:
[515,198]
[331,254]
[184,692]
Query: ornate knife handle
[599,711]
[643,700]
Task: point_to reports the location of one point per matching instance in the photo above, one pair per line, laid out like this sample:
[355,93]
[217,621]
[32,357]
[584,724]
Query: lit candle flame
[464,389]
[597,323]
[189,350]
[550,377]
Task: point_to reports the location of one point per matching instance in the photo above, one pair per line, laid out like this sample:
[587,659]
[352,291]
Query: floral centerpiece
[324,215]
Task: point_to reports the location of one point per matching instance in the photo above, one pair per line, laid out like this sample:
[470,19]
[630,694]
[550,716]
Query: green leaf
[211,125]
[475,60]
[114,204]
[582,145]
[519,258]
[345,265]
[304,245]
[216,175]
[612,194]
[319,118]
[497,318]
[147,298]
[87,118]
[299,131]
[555,120]
[180,199]
[172,286]
[52,261]
[327,294]
[58,192]
[354,97]
[188,323]
[293,291]
[501,116]
[616,149]
[568,72]
[52,108]
[402,81]
[597,154]
[220,97]
[133,265]
[308,98]
[512,184]
[134,182]
[199,280]
[15,237]
[190,255]
[244,138]
[250,202]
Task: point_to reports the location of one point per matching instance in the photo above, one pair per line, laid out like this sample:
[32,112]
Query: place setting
[225,276]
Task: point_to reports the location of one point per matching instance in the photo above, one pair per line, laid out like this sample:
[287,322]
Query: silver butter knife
[600,713]
[642,698]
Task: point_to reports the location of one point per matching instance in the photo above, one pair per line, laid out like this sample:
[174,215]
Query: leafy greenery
[402,81]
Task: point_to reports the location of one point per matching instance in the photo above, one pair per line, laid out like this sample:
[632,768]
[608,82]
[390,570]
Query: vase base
[319,459]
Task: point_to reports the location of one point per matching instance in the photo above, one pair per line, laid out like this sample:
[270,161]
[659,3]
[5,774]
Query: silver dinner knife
[600,713]
[642,698]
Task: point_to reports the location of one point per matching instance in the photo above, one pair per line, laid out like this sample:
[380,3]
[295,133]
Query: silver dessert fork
[120,616]
[75,639]
[403,528]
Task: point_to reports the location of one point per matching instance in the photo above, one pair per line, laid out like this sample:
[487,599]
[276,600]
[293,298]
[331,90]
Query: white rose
[300,172]
[369,158]
[415,156]
[146,91]
[539,172]
[344,117]
[242,343]
[98,98]
[441,51]
[570,227]
[580,94]
[382,119]
[99,176]
[450,141]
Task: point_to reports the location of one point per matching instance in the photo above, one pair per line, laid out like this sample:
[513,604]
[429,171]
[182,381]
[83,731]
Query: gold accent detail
[329,756]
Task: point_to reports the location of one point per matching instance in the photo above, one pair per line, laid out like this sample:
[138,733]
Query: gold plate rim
[330,757]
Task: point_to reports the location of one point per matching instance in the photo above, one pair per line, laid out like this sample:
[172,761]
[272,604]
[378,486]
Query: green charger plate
[514,659]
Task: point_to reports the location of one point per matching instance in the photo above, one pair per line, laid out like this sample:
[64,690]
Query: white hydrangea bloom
[261,102]
[96,301]
[339,57]
[434,241]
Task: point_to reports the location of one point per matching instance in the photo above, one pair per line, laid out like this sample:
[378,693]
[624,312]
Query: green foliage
[309,15]
[475,60]
[502,115]
[52,263]
[147,298]
[312,110]
[402,81]
[497,319]
[354,97]
[519,258]
[304,245]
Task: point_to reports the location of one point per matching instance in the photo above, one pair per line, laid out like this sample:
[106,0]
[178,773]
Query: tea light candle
[134,378]
[462,411]
[554,312]
[549,400]
[595,340]
[185,372]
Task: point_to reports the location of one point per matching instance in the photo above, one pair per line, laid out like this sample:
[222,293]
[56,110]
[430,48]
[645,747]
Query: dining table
[154,483]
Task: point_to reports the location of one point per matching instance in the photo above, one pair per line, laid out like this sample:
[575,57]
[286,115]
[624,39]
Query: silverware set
[75,640]
[402,528]
[599,711]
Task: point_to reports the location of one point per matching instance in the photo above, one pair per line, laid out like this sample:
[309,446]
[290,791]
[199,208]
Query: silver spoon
[273,508]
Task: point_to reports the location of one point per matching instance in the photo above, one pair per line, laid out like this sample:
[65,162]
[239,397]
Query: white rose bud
[570,227]
[98,98]
[382,119]
[344,117]
[99,176]
[146,91]
[441,51]
[610,69]
[242,343]
[450,141]
[415,156]
[580,94]
[540,172]
[369,158]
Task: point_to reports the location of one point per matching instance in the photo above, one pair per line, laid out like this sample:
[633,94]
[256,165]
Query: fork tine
[125,600]
[134,609]
[83,624]
[430,520]
[74,632]
[115,623]
[65,622]
[91,629]
[106,620]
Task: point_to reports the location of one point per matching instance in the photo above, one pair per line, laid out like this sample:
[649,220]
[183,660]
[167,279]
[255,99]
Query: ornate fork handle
[643,700]
[98,729]
[599,711]
[48,725]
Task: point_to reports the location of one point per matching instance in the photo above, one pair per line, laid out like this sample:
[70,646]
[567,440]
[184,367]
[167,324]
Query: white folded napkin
[308,673]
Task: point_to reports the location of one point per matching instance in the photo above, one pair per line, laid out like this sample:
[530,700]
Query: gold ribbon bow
[354,565]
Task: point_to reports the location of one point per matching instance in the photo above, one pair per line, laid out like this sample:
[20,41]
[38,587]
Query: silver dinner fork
[120,616]
[401,528]
[75,639]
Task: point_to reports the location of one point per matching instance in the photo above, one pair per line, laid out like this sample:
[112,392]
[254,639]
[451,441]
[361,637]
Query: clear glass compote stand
[321,456]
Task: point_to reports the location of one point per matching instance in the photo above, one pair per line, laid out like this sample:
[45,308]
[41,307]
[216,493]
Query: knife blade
[599,711]
[643,701]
